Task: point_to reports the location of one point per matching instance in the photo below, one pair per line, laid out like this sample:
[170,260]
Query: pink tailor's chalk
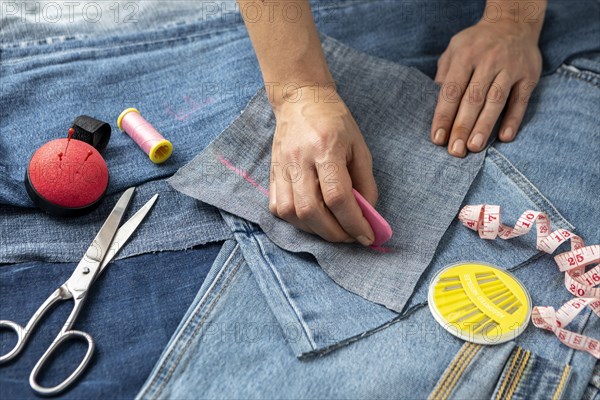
[381,228]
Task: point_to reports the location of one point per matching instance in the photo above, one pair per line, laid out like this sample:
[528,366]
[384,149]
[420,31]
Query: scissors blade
[99,247]
[126,231]
[87,269]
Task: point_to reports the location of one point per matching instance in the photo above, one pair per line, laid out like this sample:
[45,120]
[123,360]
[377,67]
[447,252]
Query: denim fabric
[84,52]
[54,69]
[420,186]
[176,222]
[269,323]
[137,53]
[131,313]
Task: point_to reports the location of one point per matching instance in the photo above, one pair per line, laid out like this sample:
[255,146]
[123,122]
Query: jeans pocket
[501,372]
[499,183]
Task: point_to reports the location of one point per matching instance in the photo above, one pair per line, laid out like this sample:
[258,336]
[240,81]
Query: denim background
[315,317]
[50,72]
[131,313]
[53,71]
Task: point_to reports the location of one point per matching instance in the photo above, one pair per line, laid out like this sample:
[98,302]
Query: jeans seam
[199,307]
[560,388]
[197,329]
[79,50]
[523,183]
[325,350]
[460,369]
[519,374]
[301,320]
[589,77]
[446,374]
[507,375]
[454,371]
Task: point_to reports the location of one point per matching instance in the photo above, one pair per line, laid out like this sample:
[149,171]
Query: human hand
[318,156]
[487,68]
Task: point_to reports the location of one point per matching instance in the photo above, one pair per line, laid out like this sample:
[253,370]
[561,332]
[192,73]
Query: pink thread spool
[143,133]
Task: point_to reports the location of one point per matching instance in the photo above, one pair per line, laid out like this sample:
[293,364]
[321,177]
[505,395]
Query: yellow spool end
[125,112]
[161,151]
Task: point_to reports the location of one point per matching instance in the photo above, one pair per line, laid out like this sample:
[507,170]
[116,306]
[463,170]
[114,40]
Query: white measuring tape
[485,219]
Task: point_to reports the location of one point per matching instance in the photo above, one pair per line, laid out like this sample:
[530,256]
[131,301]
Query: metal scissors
[107,243]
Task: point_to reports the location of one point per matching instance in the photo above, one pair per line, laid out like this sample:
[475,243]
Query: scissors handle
[60,339]
[23,333]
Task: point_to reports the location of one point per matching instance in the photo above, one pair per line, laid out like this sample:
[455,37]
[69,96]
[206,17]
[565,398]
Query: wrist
[518,17]
[282,95]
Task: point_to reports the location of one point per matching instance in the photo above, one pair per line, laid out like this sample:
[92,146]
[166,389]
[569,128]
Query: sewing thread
[145,135]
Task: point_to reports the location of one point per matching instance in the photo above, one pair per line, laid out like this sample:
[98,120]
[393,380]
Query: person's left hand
[486,68]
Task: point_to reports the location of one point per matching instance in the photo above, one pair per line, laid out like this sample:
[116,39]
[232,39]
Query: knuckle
[461,131]
[334,197]
[273,208]
[307,211]
[475,97]
[450,92]
[293,154]
[443,118]
[485,128]
[286,210]
[496,94]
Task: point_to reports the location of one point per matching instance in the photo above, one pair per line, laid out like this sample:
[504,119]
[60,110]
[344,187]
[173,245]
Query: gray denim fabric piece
[421,186]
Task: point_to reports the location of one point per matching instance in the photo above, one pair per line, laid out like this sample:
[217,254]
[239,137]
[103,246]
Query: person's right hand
[318,156]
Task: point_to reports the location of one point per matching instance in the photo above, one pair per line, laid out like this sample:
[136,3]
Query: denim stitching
[561,385]
[184,334]
[448,380]
[508,373]
[197,329]
[446,374]
[460,369]
[518,375]
[282,287]
[527,187]
[101,51]
[325,350]
[569,71]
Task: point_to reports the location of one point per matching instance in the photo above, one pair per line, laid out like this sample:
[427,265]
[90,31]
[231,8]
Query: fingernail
[477,141]
[365,241]
[440,136]
[508,134]
[458,147]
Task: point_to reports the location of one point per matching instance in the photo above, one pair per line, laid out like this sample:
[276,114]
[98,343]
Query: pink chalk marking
[193,108]
[243,174]
[382,230]
[381,249]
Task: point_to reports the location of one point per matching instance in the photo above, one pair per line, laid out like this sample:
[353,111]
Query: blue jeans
[271,323]
[131,313]
[52,72]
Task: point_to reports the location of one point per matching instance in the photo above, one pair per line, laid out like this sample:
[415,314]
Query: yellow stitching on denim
[461,369]
[507,375]
[517,378]
[561,384]
[459,362]
[442,382]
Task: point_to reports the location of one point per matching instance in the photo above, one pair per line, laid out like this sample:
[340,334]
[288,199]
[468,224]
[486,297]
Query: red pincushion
[62,181]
